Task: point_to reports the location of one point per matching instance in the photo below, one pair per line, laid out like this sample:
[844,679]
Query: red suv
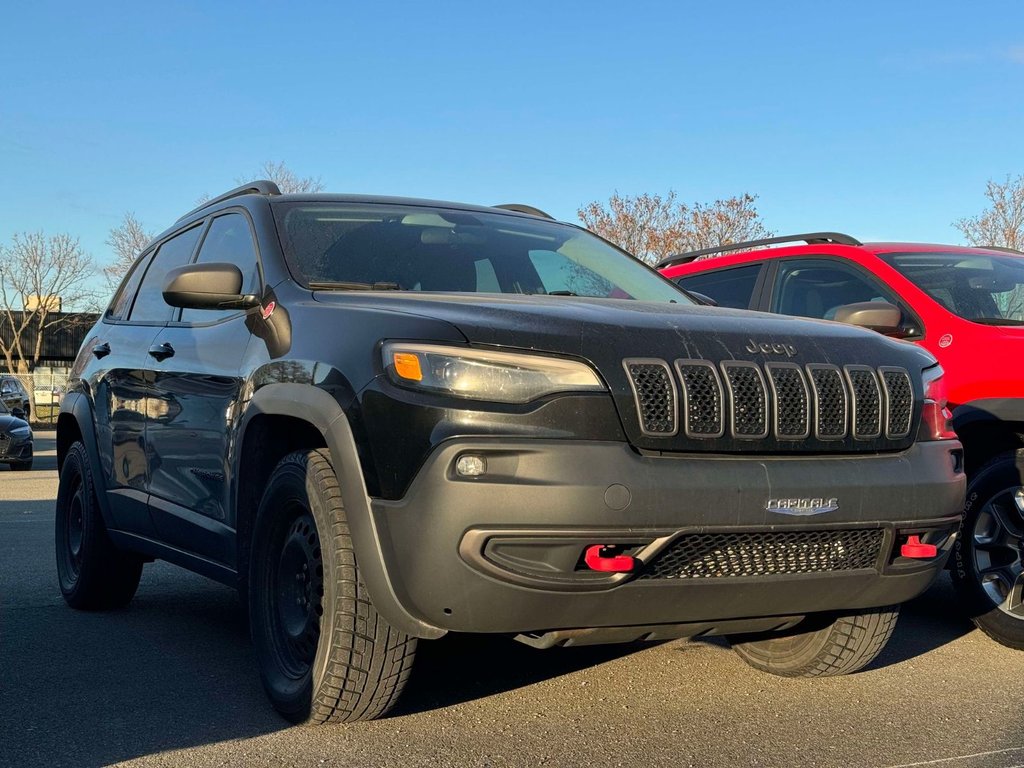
[965,306]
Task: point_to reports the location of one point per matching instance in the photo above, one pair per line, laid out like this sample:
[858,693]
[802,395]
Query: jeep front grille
[899,402]
[736,555]
[829,401]
[655,395]
[702,399]
[784,401]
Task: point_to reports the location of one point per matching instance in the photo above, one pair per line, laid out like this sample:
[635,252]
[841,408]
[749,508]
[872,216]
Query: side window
[818,287]
[729,287]
[7,388]
[122,302]
[229,240]
[150,306]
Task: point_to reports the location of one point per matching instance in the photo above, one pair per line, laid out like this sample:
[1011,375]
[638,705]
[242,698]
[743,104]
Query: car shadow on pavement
[174,670]
[461,668]
[926,623]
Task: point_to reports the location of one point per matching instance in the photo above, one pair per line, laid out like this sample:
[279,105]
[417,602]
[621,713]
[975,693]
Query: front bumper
[15,450]
[503,552]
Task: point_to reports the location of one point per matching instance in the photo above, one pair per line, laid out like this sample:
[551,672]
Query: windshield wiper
[341,285]
[996,321]
[562,293]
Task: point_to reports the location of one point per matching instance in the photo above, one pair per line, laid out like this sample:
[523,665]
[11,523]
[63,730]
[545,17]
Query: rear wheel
[840,646]
[987,565]
[93,573]
[324,653]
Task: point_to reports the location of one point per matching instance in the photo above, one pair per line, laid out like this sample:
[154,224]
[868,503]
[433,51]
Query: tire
[987,564]
[323,652]
[838,647]
[93,573]
[21,466]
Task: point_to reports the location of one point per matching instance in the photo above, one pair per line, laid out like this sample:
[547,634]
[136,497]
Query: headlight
[477,374]
[21,432]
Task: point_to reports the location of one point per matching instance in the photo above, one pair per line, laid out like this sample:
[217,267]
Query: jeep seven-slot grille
[655,396]
[733,555]
[783,400]
[702,399]
[867,399]
[899,398]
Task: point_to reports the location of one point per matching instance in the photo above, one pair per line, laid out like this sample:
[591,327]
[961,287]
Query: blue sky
[882,119]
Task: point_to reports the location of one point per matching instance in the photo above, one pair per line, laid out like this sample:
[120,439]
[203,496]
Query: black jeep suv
[386,419]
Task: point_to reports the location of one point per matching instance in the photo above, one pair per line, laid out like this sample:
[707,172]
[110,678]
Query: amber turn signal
[407,366]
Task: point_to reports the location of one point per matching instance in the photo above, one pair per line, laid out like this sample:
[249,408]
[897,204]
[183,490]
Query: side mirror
[17,413]
[207,286]
[880,316]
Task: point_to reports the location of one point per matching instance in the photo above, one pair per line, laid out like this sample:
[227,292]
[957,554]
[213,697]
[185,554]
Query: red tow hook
[596,560]
[915,549]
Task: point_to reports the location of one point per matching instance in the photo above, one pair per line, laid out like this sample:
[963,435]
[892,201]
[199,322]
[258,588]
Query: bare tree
[36,271]
[127,240]
[652,226]
[286,179]
[1002,223]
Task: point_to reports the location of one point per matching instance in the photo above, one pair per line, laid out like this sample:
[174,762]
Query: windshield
[985,288]
[346,246]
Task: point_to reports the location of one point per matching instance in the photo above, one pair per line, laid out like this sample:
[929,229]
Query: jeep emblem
[771,348]
[802,507]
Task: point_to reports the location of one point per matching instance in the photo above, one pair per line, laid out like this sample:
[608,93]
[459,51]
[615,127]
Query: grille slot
[702,398]
[829,401]
[737,555]
[748,400]
[791,412]
[867,402]
[655,395]
[899,402]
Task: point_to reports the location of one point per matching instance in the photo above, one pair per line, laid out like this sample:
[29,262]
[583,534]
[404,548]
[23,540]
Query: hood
[610,332]
[593,328]
[8,422]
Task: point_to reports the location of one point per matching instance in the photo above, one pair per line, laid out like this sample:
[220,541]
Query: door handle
[101,350]
[161,351]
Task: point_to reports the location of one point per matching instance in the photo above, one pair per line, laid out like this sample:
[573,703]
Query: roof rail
[528,209]
[1004,249]
[262,187]
[808,237]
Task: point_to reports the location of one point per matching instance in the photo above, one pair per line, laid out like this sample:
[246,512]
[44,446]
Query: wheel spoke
[1014,602]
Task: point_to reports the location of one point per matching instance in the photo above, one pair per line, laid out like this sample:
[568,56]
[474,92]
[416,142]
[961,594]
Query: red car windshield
[984,288]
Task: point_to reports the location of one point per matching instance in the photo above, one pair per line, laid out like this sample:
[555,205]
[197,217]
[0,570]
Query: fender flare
[1007,410]
[77,406]
[318,408]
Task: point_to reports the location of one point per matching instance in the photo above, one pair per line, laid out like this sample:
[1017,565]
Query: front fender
[315,406]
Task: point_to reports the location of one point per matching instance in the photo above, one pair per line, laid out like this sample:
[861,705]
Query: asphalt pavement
[171,681]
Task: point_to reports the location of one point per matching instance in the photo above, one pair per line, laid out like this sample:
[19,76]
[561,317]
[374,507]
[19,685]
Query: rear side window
[228,241]
[122,302]
[150,306]
[729,287]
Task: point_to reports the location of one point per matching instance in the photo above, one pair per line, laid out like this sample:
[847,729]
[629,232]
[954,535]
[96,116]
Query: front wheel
[324,653]
[987,564]
[840,646]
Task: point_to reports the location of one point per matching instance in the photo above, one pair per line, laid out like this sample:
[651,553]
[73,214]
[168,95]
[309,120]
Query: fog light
[471,466]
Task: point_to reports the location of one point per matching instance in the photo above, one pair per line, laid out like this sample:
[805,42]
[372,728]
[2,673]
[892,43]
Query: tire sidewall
[287,488]
[75,469]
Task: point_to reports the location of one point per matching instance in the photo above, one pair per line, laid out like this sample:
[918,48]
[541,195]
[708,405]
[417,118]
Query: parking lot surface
[171,681]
